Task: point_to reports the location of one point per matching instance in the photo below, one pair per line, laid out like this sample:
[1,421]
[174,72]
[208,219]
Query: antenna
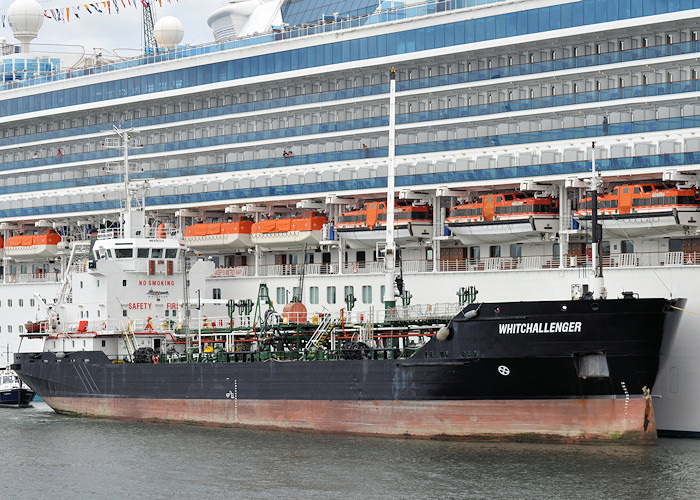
[149,37]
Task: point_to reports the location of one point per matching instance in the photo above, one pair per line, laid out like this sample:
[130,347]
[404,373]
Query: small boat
[503,217]
[644,209]
[13,392]
[289,231]
[35,326]
[220,236]
[32,247]
[366,227]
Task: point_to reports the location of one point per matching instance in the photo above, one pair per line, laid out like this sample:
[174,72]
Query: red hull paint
[569,420]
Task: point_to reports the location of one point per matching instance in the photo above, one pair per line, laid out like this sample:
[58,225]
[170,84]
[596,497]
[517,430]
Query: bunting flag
[63,14]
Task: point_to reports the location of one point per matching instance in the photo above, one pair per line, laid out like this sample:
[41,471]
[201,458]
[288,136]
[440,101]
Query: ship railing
[530,262]
[420,312]
[148,232]
[43,277]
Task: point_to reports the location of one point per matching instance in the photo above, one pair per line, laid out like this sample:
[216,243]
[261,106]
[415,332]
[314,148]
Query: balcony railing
[632,259]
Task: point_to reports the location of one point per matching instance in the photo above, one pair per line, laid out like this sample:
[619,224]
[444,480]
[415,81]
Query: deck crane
[149,38]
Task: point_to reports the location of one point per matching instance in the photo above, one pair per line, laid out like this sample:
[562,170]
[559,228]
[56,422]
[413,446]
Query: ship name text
[553,327]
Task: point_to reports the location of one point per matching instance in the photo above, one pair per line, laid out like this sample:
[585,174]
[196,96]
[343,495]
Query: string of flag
[66,14]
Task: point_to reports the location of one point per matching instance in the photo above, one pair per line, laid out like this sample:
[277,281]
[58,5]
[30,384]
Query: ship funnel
[244,17]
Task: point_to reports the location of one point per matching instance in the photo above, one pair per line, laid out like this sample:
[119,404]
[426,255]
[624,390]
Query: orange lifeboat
[289,231]
[503,217]
[219,237]
[33,246]
[367,226]
[644,208]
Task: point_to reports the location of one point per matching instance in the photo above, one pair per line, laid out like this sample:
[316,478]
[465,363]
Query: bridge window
[142,253]
[124,253]
[366,294]
[171,253]
[157,253]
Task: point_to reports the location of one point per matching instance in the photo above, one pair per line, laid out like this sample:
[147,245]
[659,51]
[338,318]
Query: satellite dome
[26,18]
[169,31]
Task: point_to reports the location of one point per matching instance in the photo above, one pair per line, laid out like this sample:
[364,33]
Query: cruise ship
[272,153]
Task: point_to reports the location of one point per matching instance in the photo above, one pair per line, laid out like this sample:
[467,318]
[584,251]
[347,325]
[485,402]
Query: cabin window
[475,253]
[124,312]
[605,247]
[674,245]
[626,246]
[309,259]
[171,253]
[123,282]
[124,253]
[296,294]
[647,189]
[32,303]
[216,293]
[109,253]
[366,294]
[81,284]
[21,302]
[361,258]
[516,251]
[21,328]
[104,343]
[313,294]
[382,289]
[281,295]
[9,328]
[330,294]
[494,251]
[625,190]
[9,302]
[142,253]
[637,190]
[157,253]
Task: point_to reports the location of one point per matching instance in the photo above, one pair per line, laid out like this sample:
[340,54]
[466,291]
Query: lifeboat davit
[644,209]
[289,231]
[366,227]
[219,237]
[34,246]
[504,217]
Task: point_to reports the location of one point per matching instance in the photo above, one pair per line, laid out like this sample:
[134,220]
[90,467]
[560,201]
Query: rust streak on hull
[566,421]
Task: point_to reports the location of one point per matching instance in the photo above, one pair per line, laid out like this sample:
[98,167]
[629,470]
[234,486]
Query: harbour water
[45,455]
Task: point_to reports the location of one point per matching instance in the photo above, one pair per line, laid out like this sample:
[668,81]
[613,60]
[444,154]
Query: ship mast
[133,216]
[597,284]
[390,249]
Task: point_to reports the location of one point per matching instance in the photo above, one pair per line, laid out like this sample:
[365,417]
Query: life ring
[155,359]
[104,325]
[355,269]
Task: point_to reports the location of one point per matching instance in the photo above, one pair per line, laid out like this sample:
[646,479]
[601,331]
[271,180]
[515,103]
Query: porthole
[595,306]
[564,307]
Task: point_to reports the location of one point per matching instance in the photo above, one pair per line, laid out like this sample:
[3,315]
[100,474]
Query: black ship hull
[560,370]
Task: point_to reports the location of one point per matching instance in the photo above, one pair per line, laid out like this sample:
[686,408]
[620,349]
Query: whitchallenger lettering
[553,327]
